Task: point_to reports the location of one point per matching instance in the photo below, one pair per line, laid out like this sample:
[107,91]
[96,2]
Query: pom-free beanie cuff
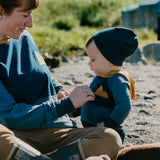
[116,43]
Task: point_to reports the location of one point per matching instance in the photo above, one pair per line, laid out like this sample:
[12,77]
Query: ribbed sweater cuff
[64,106]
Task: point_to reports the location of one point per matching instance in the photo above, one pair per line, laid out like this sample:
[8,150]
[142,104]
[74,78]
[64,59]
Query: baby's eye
[25,15]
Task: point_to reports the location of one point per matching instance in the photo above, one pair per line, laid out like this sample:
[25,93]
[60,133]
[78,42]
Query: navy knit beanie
[116,43]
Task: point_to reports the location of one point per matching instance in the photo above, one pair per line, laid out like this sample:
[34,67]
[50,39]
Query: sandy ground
[143,123]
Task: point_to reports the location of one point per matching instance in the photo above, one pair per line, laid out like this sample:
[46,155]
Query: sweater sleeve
[27,116]
[119,87]
[58,87]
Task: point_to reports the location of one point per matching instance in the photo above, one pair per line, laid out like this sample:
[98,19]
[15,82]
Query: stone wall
[144,14]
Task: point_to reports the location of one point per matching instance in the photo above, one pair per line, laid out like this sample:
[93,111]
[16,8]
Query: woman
[28,99]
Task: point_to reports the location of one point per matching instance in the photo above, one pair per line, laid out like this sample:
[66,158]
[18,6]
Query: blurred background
[62,27]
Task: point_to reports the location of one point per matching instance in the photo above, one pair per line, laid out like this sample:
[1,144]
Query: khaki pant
[94,141]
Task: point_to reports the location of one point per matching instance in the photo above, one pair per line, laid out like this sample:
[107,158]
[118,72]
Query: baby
[113,86]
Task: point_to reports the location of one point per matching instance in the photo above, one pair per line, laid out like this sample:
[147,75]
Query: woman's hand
[81,95]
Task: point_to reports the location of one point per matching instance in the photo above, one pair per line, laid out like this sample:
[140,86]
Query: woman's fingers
[81,95]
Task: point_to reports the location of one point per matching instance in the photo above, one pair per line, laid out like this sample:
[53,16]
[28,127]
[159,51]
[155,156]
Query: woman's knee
[7,141]
[4,130]
[6,135]
[101,141]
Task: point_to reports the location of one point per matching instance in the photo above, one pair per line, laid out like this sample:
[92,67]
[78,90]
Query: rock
[151,92]
[146,97]
[77,82]
[145,112]
[65,59]
[136,57]
[151,52]
[51,61]
[68,83]
[89,75]
[148,54]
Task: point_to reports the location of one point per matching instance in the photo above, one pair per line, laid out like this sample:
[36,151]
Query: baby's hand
[63,94]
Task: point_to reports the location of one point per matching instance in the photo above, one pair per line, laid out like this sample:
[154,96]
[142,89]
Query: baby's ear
[140,152]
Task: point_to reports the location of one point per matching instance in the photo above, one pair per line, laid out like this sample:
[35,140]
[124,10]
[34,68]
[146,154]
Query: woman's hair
[9,5]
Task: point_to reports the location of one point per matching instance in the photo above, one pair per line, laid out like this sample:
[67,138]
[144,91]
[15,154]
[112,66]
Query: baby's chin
[99,74]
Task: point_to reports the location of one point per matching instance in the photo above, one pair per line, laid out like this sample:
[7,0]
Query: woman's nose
[29,22]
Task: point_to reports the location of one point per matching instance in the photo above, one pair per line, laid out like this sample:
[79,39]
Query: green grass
[146,35]
[62,27]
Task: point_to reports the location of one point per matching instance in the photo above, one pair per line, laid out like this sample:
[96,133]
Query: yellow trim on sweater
[5,40]
[101,93]
[127,76]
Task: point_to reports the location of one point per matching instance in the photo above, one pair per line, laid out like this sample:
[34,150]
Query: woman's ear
[2,12]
